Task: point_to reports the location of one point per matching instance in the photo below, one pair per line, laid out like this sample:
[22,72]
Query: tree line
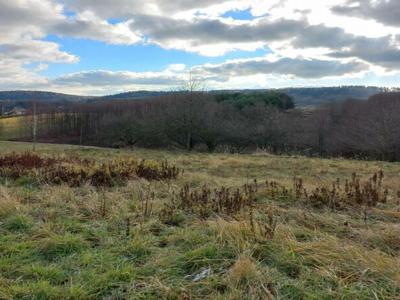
[231,123]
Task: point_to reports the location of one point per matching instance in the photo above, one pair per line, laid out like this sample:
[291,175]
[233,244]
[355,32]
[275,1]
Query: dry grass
[135,241]
[8,203]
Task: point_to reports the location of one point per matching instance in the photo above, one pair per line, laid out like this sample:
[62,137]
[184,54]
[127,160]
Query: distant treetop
[270,98]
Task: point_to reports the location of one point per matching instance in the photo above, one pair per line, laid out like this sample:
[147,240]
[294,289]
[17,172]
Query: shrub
[31,168]
[205,201]
[351,193]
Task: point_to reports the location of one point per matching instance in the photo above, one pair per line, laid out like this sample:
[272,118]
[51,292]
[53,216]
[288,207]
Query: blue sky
[94,47]
[239,14]
[139,58]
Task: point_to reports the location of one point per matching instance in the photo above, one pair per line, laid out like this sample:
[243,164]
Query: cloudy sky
[95,47]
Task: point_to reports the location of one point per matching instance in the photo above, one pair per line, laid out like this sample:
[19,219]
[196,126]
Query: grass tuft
[56,246]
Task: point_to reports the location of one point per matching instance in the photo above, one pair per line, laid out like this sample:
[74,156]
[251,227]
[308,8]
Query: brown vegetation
[76,172]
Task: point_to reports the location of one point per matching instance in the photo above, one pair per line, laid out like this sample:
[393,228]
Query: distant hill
[17,102]
[27,96]
[303,97]
[316,96]
[135,95]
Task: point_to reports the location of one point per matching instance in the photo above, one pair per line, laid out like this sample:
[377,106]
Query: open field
[149,239]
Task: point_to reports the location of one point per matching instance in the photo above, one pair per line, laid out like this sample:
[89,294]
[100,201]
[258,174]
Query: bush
[75,172]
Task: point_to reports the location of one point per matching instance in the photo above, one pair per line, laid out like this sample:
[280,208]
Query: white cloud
[383,11]
[248,73]
[301,68]
[87,25]
[28,50]
[24,24]
[310,39]
[128,8]
[14,76]
[120,78]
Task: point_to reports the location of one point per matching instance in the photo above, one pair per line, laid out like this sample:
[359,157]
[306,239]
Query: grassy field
[132,240]
[13,127]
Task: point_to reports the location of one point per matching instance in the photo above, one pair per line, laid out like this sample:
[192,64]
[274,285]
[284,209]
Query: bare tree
[34,124]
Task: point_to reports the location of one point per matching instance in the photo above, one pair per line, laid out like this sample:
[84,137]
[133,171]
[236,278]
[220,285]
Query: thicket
[74,172]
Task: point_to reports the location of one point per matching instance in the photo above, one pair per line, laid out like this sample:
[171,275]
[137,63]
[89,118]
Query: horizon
[392,89]
[95,48]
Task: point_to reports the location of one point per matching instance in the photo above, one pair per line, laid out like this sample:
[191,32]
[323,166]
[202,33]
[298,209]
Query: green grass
[56,243]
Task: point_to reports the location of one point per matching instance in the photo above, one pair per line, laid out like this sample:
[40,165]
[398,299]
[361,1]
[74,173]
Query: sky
[100,47]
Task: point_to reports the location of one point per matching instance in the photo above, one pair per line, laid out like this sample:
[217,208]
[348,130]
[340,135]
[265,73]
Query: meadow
[150,224]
